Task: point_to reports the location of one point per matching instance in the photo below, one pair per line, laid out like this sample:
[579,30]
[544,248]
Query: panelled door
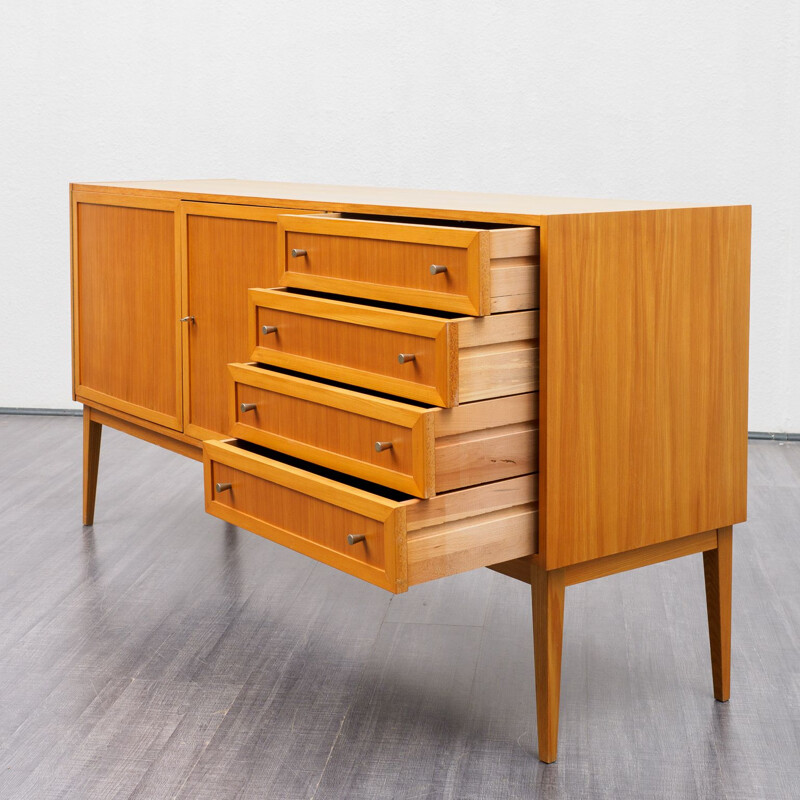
[227,249]
[126,304]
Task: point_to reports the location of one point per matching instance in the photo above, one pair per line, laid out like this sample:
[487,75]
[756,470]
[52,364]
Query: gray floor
[164,654]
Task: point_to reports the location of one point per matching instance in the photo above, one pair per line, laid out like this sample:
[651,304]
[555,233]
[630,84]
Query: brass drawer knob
[381,446]
[297,253]
[222,487]
[355,538]
[267,329]
[438,269]
[404,358]
[247,407]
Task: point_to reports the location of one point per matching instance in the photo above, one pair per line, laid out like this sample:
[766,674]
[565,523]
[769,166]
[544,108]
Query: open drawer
[439,359]
[422,450]
[434,264]
[373,533]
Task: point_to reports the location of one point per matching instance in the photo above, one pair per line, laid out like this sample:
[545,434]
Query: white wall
[690,101]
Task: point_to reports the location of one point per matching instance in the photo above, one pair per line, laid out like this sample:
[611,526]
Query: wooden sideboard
[406,385]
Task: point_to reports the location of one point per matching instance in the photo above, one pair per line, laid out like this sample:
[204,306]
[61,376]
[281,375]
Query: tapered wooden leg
[91,459]
[718,567]
[547,596]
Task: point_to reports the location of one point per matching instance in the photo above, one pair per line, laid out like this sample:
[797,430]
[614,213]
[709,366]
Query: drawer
[442,360]
[441,265]
[421,450]
[373,533]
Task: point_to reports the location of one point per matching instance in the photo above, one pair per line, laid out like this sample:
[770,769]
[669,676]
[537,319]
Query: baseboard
[778,437]
[44,412]
[78,412]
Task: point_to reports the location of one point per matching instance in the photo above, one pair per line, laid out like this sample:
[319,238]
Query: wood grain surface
[92,433]
[644,336]
[459,359]
[334,427]
[391,261]
[507,208]
[307,513]
[126,333]
[387,261]
[406,540]
[226,250]
[356,344]
[718,569]
[339,428]
[547,599]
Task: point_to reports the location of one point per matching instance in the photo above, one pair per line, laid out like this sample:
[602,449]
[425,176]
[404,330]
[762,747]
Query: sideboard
[406,384]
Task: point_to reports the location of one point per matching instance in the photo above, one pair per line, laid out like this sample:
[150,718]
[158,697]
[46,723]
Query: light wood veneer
[456,359]
[398,262]
[404,541]
[644,371]
[506,208]
[423,450]
[226,250]
[126,305]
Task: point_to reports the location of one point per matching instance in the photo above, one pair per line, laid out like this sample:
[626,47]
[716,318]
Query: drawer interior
[323,472]
[349,386]
[368,303]
[428,221]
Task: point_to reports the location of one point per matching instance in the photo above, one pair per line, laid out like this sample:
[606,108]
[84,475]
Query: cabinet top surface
[510,207]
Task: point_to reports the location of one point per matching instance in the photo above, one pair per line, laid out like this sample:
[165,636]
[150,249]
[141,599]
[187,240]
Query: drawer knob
[381,446]
[247,407]
[297,253]
[267,329]
[404,358]
[222,487]
[438,269]
[187,319]
[355,538]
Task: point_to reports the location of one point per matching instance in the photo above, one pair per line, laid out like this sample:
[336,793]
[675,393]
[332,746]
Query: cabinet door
[126,304]
[227,250]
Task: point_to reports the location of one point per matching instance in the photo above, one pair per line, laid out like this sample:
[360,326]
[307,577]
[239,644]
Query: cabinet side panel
[127,332]
[644,388]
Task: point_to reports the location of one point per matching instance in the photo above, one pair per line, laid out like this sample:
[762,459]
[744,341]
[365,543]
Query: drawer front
[421,265]
[356,344]
[306,512]
[379,440]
